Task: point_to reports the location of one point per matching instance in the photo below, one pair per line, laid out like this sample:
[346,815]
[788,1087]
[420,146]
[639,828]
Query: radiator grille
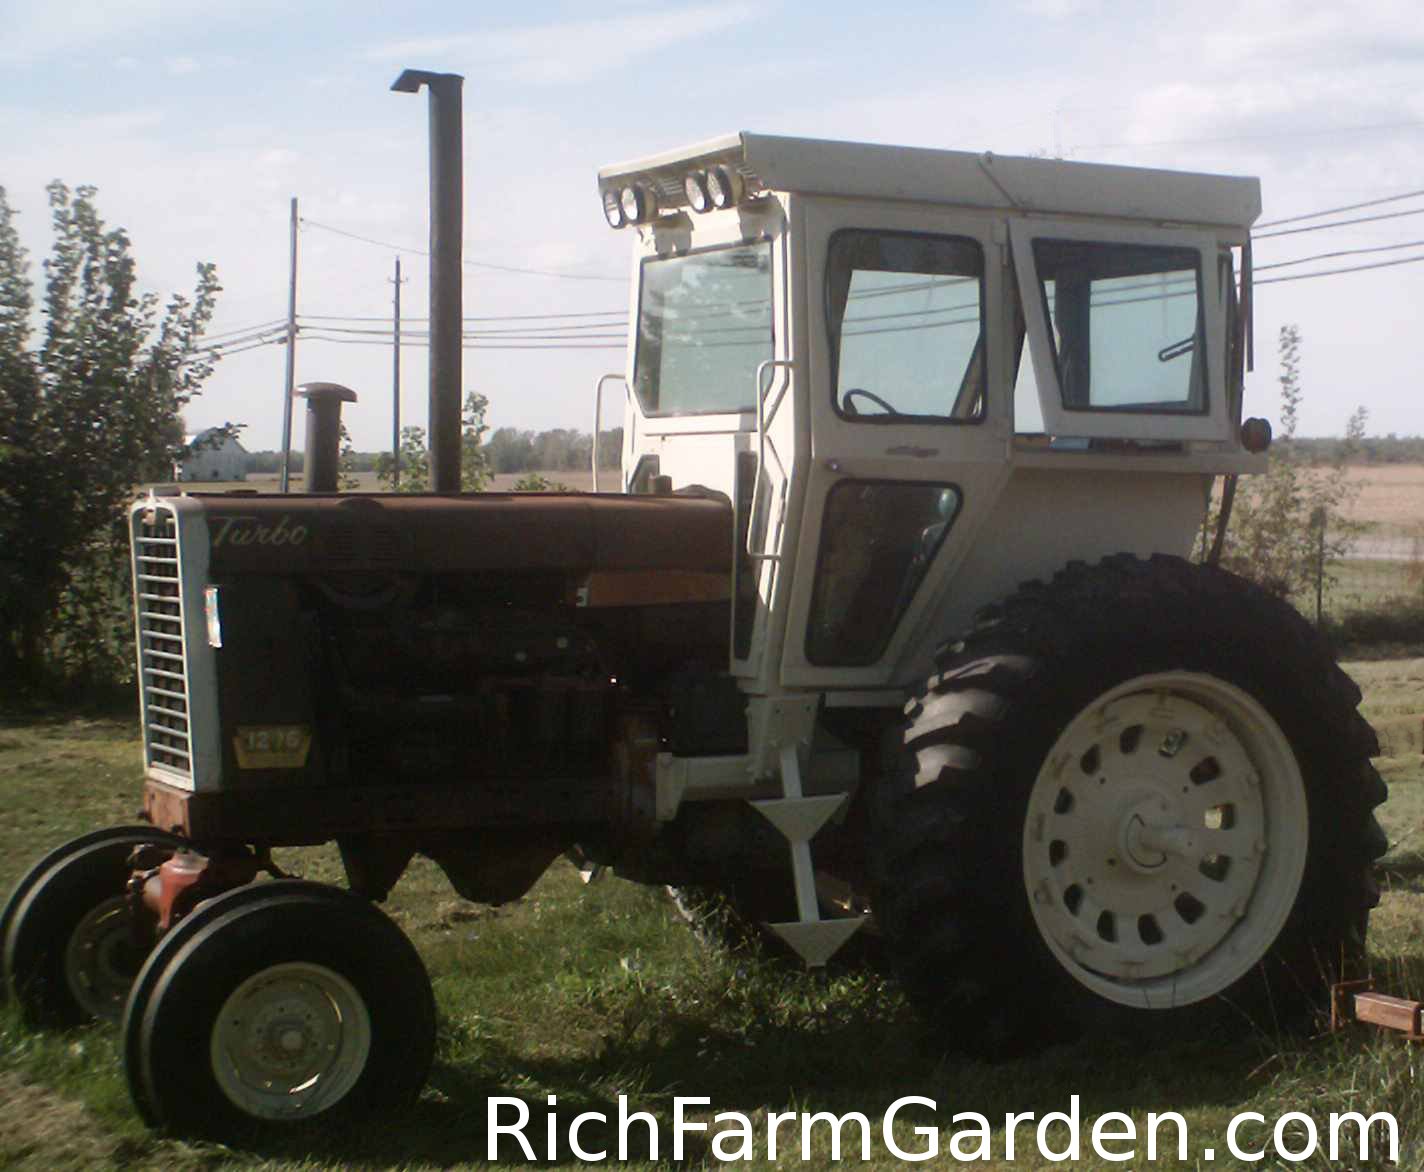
[158,596]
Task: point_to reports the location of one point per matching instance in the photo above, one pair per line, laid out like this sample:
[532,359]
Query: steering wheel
[848,401]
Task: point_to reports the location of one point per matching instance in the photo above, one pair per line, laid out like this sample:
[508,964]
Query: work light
[699,199]
[724,186]
[613,209]
[639,204]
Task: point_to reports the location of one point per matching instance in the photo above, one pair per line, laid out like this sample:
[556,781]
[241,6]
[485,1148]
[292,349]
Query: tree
[347,464]
[1283,520]
[537,482]
[475,470]
[414,464]
[85,418]
[511,450]
[415,457]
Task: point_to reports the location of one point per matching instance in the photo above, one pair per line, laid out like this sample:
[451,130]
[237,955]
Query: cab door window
[906,317]
[1126,325]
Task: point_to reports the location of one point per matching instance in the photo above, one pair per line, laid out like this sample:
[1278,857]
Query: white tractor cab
[955,372]
[969,411]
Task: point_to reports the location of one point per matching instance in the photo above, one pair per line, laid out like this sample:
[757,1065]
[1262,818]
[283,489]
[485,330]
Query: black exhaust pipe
[447,210]
[323,459]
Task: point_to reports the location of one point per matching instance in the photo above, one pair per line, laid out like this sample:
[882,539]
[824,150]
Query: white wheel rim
[291,1041]
[101,960]
[1165,840]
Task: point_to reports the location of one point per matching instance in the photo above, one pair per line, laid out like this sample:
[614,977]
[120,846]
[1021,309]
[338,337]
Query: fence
[1380,568]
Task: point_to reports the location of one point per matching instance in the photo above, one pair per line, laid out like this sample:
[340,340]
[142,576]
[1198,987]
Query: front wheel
[279,1011]
[1138,796]
[67,939]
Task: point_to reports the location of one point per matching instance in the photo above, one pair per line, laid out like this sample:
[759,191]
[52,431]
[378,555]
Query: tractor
[887,623]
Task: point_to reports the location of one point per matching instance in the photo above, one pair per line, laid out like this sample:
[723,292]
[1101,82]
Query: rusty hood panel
[484,531]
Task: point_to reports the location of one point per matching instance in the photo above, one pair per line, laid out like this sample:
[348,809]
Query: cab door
[906,363]
[711,388]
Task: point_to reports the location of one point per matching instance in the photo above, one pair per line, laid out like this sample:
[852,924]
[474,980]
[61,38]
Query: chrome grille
[158,598]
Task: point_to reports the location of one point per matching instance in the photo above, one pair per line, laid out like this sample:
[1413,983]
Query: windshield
[704,326]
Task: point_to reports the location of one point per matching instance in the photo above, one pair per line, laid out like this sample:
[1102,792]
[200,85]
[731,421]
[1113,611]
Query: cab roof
[958,178]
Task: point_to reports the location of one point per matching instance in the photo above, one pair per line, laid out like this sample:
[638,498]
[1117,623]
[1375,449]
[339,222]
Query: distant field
[1391,496]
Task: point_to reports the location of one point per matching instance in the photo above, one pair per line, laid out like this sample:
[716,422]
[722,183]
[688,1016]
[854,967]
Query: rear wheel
[281,1011]
[1136,797]
[69,949]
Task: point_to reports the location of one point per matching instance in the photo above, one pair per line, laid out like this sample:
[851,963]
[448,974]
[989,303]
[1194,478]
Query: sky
[199,120]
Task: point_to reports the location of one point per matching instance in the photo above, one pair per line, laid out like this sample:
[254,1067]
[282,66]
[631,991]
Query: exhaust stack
[447,209]
[323,457]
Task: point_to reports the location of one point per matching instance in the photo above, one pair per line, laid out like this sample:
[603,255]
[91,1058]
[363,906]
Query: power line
[1339,224]
[572,332]
[484,345]
[473,264]
[1300,260]
[1349,207]
[257,329]
[224,347]
[507,317]
[1380,264]
[218,352]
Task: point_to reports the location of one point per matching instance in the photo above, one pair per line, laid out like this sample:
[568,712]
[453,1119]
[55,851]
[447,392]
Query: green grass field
[589,992]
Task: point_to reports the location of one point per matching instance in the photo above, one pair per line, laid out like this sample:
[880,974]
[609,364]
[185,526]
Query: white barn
[210,458]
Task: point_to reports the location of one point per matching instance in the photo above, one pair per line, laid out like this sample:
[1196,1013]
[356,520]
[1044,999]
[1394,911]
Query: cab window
[1126,325]
[906,318]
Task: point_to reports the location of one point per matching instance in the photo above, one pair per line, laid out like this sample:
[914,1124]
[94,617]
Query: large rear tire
[1136,798]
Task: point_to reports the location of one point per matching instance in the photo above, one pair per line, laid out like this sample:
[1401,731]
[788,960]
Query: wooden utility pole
[396,388]
[290,387]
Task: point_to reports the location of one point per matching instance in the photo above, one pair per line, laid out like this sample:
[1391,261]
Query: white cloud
[182,66]
[37,31]
[1275,33]
[572,52]
[1057,9]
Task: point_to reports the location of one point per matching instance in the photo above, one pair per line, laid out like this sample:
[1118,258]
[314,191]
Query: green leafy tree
[414,464]
[537,482]
[347,480]
[86,415]
[1290,524]
[415,456]
[511,450]
[475,471]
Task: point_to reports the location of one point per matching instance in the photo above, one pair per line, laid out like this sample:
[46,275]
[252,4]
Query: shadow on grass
[859,1066]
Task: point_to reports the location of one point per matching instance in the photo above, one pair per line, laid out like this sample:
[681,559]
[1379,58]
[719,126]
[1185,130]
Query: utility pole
[290,388]
[396,388]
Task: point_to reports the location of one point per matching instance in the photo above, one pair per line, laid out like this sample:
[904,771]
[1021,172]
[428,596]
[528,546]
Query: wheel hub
[1145,842]
[101,960]
[291,1041]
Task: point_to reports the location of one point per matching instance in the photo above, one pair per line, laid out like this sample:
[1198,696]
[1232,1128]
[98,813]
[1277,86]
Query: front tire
[65,935]
[1135,797]
[170,944]
[280,1012]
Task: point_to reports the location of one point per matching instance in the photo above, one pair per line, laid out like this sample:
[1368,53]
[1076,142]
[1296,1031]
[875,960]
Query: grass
[586,993]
